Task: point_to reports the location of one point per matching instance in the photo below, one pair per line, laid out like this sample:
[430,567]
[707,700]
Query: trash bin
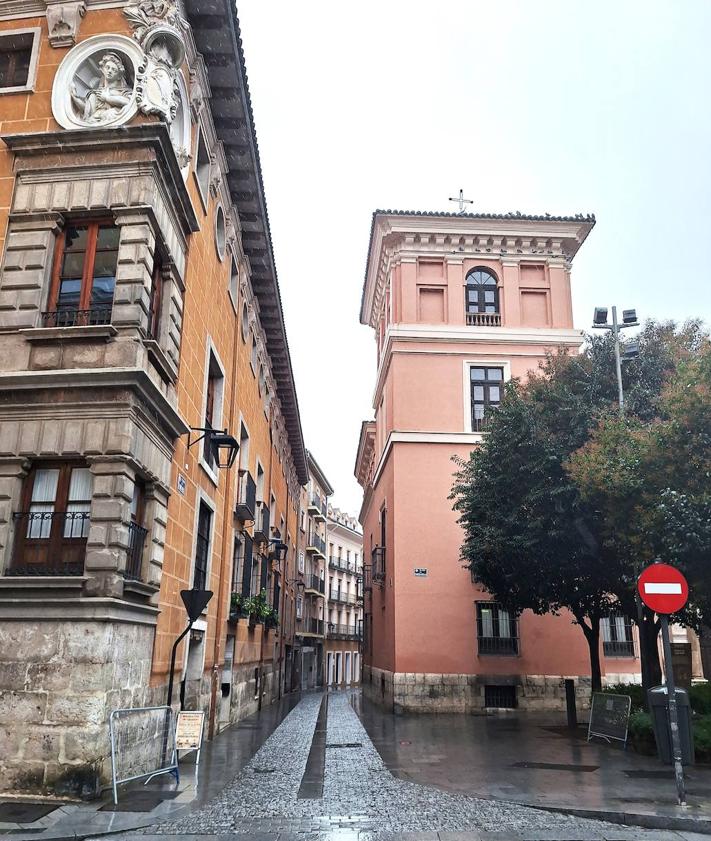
[659,711]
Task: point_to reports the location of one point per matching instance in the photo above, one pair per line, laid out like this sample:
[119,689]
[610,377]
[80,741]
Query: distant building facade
[345,599]
[139,307]
[311,612]
[459,304]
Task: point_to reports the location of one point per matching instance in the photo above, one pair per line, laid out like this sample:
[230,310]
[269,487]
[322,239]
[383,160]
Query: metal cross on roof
[462,201]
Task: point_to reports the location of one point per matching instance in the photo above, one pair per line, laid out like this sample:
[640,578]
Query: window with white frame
[253,354]
[202,168]
[18,59]
[245,321]
[234,283]
[212,419]
[486,391]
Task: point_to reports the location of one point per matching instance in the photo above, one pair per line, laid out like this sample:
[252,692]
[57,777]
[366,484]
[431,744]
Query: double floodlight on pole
[630,350]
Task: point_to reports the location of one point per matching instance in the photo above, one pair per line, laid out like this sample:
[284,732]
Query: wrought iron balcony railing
[76,318]
[134,560]
[308,625]
[247,497]
[349,632]
[342,596]
[378,564]
[316,544]
[49,543]
[315,582]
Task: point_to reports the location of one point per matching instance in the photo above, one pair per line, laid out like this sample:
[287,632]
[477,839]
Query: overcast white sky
[543,107]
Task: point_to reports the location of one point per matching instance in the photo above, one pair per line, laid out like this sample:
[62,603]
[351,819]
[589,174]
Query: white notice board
[188,730]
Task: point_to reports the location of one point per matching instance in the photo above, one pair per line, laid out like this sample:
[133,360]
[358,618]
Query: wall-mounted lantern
[224,447]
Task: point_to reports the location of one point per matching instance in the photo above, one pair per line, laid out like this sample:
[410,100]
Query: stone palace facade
[139,307]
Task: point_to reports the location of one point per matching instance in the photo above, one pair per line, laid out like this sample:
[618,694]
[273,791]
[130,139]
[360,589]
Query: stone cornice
[15,9]
[217,37]
[397,235]
[364,455]
[154,135]
[73,609]
[133,378]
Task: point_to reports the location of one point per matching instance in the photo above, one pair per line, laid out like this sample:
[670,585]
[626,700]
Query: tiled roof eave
[217,35]
[515,216]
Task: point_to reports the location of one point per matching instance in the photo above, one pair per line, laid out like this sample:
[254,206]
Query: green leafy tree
[534,535]
[648,482]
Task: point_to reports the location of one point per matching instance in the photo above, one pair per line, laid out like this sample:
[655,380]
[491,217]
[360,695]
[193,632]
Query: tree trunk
[592,635]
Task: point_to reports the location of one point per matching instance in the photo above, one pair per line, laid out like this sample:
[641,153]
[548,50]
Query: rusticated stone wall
[60,682]
[443,693]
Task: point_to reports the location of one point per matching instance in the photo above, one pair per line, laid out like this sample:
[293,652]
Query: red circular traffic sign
[663,589]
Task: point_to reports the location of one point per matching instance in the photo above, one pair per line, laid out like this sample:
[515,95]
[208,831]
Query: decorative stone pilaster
[108,541]
[25,270]
[156,519]
[12,474]
[63,21]
[134,270]
[171,330]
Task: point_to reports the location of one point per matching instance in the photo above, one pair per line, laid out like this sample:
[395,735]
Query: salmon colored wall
[429,395]
[409,277]
[32,111]
[435,616]
[383,598]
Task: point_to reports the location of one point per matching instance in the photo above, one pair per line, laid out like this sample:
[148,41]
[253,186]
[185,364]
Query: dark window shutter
[247,567]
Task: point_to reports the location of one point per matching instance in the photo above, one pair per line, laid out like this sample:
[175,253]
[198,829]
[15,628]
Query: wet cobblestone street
[361,796]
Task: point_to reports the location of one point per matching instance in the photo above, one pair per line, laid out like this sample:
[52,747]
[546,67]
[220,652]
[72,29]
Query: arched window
[482,292]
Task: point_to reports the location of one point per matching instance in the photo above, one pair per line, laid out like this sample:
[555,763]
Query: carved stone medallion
[95,83]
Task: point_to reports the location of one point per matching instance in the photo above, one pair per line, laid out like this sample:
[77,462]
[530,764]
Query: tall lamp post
[631,349]
[195,602]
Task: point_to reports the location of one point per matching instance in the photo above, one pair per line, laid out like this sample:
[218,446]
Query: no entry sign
[663,589]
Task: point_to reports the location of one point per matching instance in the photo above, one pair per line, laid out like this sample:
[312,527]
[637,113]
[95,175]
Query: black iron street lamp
[224,447]
[195,602]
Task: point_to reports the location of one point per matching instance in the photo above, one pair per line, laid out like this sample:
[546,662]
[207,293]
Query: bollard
[570,703]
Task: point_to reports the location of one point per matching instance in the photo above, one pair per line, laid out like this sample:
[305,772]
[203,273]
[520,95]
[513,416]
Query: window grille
[497,630]
[501,697]
[617,637]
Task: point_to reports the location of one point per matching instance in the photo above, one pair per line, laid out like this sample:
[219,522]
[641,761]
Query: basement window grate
[500,697]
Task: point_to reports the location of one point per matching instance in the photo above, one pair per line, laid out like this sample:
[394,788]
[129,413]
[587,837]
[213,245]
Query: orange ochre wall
[208,311]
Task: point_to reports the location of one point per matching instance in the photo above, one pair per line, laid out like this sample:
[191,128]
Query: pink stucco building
[459,303]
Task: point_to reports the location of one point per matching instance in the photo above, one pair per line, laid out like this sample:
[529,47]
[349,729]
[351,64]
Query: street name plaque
[609,716]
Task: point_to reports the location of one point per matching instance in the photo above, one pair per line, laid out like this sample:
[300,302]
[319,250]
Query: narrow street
[304,783]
